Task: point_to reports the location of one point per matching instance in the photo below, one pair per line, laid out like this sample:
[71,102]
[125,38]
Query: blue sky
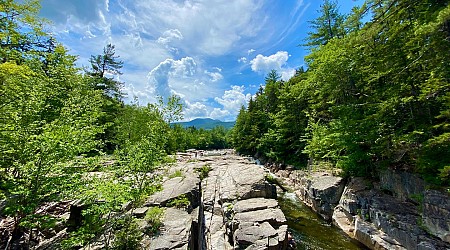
[214,54]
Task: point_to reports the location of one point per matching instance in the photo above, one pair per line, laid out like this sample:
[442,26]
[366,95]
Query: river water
[309,230]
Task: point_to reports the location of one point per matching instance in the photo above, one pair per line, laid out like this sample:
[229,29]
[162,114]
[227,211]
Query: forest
[59,122]
[374,94]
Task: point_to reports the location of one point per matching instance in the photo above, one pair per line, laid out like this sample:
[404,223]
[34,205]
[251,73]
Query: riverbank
[397,212]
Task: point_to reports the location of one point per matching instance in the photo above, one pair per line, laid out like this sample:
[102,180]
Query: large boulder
[174,233]
[258,222]
[321,192]
[233,180]
[382,221]
[187,186]
[370,236]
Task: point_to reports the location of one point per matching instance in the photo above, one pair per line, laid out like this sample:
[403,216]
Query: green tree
[104,68]
[327,26]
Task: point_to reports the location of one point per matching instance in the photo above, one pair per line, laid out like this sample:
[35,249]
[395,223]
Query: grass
[181,201]
[154,216]
[177,173]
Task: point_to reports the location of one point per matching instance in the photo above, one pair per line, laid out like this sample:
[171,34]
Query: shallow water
[309,230]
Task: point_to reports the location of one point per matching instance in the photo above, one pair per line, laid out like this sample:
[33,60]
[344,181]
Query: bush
[154,216]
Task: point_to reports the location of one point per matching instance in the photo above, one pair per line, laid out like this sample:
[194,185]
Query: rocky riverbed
[232,206]
[219,200]
[397,212]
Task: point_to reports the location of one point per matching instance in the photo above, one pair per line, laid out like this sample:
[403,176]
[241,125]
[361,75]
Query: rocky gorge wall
[398,212]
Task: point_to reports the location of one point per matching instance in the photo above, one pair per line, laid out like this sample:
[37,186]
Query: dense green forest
[375,94]
[59,122]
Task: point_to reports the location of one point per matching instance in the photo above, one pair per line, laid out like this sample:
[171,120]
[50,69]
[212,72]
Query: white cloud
[158,77]
[277,62]
[286,74]
[209,27]
[243,59]
[166,44]
[220,114]
[196,109]
[215,76]
[266,63]
[233,99]
[170,35]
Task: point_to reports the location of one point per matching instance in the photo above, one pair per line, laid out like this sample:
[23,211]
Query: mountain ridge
[205,123]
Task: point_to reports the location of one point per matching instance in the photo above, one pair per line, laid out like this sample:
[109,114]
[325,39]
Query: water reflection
[309,230]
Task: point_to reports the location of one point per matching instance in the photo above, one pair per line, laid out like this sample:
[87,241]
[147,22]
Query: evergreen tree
[104,68]
[327,26]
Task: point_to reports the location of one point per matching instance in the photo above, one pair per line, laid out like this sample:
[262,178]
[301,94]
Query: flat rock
[175,231]
[254,204]
[367,234]
[274,216]
[249,235]
[236,181]
[175,187]
[140,212]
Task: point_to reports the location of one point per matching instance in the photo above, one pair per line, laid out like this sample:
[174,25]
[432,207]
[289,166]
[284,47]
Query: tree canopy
[374,95]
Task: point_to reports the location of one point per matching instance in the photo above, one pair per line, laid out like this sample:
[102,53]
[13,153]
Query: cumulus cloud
[166,44]
[267,63]
[277,62]
[196,109]
[170,35]
[158,77]
[233,99]
[220,114]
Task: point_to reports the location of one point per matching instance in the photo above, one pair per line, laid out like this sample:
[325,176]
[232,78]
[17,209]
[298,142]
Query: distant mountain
[206,123]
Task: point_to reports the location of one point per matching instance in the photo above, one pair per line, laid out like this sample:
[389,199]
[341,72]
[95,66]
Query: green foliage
[177,173]
[155,216]
[181,139]
[104,68]
[127,236]
[181,201]
[374,95]
[327,26]
[203,171]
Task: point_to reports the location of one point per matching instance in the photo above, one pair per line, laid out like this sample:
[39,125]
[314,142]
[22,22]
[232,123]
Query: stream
[309,230]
